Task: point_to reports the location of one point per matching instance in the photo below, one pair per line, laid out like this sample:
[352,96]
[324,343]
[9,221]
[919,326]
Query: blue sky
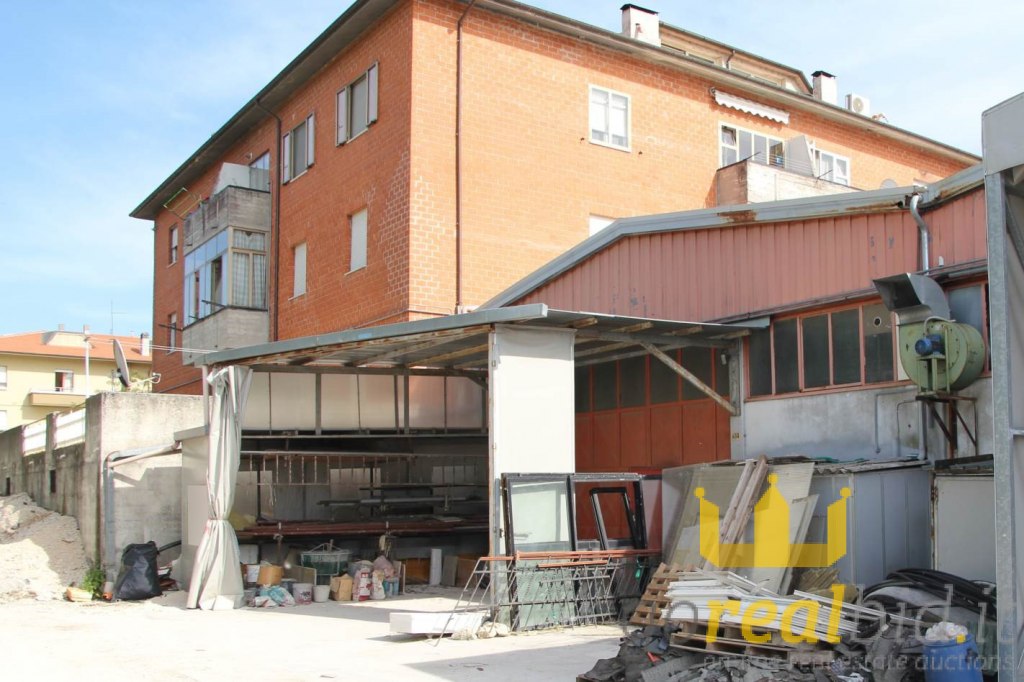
[104,98]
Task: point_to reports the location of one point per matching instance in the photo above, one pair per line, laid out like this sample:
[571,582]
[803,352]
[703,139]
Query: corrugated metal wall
[723,272]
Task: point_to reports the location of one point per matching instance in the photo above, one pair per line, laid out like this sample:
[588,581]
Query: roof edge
[727,216]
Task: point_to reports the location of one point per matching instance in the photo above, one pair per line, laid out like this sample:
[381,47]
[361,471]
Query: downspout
[276,224]
[458,157]
[922,227]
[925,235]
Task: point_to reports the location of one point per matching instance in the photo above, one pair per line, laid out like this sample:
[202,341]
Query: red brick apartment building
[422,155]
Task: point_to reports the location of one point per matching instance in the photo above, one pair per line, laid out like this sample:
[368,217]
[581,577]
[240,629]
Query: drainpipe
[276,226]
[458,157]
[922,227]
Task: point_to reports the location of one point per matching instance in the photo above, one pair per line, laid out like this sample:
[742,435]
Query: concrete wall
[227,328]
[843,425]
[750,182]
[145,495]
[143,498]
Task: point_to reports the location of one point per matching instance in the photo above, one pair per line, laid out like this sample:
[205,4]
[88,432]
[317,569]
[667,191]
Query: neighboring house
[422,155]
[44,372]
[819,374]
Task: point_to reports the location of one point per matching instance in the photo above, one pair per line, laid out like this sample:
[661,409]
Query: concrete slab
[159,639]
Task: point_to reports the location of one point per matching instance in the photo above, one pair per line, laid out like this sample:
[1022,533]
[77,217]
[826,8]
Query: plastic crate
[326,560]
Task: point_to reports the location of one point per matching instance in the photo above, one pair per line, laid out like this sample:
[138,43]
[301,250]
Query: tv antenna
[122,370]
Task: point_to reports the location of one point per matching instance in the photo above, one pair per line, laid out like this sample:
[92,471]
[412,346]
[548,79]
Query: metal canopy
[459,343]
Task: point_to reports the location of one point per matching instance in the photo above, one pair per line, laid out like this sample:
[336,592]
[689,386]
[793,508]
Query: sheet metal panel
[464,404]
[339,401]
[965,539]
[293,401]
[719,272]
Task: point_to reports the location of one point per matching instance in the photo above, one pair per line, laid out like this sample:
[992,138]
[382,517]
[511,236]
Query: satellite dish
[122,365]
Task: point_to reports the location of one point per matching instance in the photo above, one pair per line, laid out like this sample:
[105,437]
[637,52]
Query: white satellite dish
[122,368]
[122,365]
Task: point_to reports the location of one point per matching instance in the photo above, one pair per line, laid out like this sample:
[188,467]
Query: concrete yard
[161,640]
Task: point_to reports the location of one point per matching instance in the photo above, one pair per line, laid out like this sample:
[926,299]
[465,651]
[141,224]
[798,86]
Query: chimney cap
[819,72]
[629,5]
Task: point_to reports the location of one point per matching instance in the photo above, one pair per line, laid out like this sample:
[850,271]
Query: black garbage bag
[138,577]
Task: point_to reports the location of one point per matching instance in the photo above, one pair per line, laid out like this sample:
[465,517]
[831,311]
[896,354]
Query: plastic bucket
[321,593]
[303,593]
[952,661]
[252,573]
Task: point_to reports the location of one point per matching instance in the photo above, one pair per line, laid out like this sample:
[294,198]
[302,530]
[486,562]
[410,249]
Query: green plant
[94,579]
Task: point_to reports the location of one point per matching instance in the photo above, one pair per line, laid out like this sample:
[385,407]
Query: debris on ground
[41,552]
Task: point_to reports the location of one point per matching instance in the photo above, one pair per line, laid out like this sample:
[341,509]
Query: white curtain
[216,578]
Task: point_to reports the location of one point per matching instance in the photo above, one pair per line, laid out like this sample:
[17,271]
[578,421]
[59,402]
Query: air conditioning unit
[858,104]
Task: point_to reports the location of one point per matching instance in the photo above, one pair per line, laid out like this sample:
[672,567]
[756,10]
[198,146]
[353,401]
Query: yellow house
[44,372]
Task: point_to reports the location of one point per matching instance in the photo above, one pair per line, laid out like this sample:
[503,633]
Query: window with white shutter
[297,149]
[357,105]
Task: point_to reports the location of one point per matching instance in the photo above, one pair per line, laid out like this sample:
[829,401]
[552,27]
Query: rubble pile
[41,551]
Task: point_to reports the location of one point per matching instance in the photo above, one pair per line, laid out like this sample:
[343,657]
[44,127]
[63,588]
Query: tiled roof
[101,346]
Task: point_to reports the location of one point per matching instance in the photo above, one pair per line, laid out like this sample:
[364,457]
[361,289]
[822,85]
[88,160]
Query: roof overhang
[460,343]
[364,13]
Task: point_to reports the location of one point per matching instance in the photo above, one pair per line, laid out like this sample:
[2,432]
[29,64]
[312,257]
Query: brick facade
[531,178]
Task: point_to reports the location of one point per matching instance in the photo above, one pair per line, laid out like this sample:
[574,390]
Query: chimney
[60,327]
[641,24]
[825,87]
[144,343]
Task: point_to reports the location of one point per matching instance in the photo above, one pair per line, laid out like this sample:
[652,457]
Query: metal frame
[636,517]
[1004,179]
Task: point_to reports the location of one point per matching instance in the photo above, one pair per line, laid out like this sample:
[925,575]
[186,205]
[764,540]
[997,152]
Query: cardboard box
[341,588]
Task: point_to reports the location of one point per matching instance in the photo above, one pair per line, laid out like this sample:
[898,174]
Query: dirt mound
[41,551]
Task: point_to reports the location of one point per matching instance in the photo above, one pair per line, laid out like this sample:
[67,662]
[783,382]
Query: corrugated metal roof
[819,226]
[460,342]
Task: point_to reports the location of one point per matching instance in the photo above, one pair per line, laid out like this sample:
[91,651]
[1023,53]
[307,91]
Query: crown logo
[772,547]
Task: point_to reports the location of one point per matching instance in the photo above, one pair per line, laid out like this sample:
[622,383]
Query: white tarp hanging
[216,580]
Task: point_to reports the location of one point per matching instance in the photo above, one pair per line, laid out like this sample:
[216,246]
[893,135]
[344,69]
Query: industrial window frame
[600,117]
[735,147]
[588,378]
[298,147]
[801,360]
[353,121]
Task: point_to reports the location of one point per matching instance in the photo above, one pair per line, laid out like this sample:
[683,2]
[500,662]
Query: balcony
[226,328]
[239,207]
[55,397]
[748,182]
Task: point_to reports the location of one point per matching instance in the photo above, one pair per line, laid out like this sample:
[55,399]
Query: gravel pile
[41,551]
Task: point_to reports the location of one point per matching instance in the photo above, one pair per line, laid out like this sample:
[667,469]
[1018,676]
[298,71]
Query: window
[822,350]
[3,427]
[299,282]
[259,172]
[644,380]
[298,149]
[3,377]
[249,269]
[739,145]
[357,106]
[228,270]
[357,223]
[609,118]
[172,332]
[64,380]
[174,245]
[53,481]
[829,166]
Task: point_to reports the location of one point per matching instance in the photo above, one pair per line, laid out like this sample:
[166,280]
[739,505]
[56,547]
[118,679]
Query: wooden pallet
[730,642]
[648,611]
